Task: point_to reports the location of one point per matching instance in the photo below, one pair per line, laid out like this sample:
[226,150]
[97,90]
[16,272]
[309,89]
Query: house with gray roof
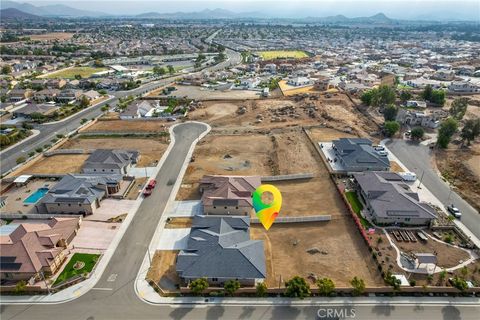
[79,194]
[110,161]
[390,201]
[220,249]
[357,155]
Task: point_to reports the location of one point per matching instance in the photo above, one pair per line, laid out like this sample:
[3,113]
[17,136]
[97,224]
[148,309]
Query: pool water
[37,195]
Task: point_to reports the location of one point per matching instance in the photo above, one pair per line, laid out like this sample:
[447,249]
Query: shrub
[297,287]
[358,286]
[261,289]
[198,286]
[325,286]
[39,149]
[21,160]
[231,286]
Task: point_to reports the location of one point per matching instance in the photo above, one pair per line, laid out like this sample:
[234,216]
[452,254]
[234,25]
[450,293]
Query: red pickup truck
[149,188]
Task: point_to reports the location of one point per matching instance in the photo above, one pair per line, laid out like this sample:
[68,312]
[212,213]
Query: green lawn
[357,207]
[85,72]
[277,54]
[89,259]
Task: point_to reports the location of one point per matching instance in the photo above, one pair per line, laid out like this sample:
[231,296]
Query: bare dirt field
[162,270]
[227,155]
[57,164]
[337,111]
[52,36]
[179,222]
[151,149]
[286,255]
[462,168]
[136,189]
[128,126]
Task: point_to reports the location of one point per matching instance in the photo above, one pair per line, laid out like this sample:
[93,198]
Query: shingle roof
[110,159]
[220,247]
[229,190]
[81,188]
[358,154]
[390,197]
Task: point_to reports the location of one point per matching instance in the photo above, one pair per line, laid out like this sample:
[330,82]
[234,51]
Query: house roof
[110,159]
[229,190]
[358,154]
[220,247]
[390,197]
[80,188]
[27,247]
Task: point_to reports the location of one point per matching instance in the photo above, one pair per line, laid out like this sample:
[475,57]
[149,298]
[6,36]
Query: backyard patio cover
[22,179]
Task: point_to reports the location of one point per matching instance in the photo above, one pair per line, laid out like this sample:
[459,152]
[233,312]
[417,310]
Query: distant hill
[54,10]
[200,15]
[379,18]
[12,13]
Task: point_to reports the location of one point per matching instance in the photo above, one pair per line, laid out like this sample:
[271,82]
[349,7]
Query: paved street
[417,159]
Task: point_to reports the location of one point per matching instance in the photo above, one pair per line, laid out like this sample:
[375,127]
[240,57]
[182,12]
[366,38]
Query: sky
[399,9]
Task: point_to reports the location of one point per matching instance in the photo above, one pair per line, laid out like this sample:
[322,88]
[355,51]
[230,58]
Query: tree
[231,286]
[391,127]
[392,281]
[390,112]
[442,275]
[471,130]
[458,108]
[20,286]
[297,287]
[427,92]
[4,140]
[6,69]
[98,63]
[198,286]
[325,286]
[83,121]
[438,97]
[405,96]
[417,133]
[20,160]
[171,69]
[84,102]
[104,108]
[261,289]
[446,131]
[459,283]
[201,57]
[367,96]
[159,70]
[358,286]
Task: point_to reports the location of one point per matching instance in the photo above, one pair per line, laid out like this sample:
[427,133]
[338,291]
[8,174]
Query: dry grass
[395,167]
[162,271]
[136,189]
[51,36]
[151,149]
[286,256]
[128,126]
[57,164]
[180,222]
[328,134]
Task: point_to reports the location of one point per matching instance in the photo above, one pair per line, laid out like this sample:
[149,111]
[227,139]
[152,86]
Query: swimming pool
[37,195]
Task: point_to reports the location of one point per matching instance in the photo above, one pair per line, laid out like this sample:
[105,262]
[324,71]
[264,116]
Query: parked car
[171,119]
[379,148]
[147,192]
[151,184]
[454,211]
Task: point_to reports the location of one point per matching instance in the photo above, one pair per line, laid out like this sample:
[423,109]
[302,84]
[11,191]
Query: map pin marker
[267,213]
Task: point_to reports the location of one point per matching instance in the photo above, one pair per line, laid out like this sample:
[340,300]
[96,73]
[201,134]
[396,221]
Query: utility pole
[421,178]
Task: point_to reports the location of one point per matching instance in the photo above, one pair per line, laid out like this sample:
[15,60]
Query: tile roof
[229,190]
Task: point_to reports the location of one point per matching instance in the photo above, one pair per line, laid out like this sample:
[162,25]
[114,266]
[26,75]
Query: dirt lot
[52,36]
[179,222]
[227,155]
[462,168]
[57,164]
[336,111]
[286,256]
[127,126]
[163,271]
[151,149]
[135,190]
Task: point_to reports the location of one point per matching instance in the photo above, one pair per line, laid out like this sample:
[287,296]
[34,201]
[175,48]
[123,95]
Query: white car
[454,211]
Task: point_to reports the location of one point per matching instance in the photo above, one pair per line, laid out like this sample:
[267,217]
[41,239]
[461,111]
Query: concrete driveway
[173,239]
[188,208]
[111,208]
[95,235]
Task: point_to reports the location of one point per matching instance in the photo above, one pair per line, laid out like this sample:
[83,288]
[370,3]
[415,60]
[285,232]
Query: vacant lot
[151,149]
[462,168]
[278,54]
[128,126]
[342,255]
[51,36]
[58,164]
[328,134]
[162,270]
[248,154]
[70,73]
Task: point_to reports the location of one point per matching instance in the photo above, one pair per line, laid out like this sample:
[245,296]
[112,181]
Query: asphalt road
[49,131]
[417,158]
